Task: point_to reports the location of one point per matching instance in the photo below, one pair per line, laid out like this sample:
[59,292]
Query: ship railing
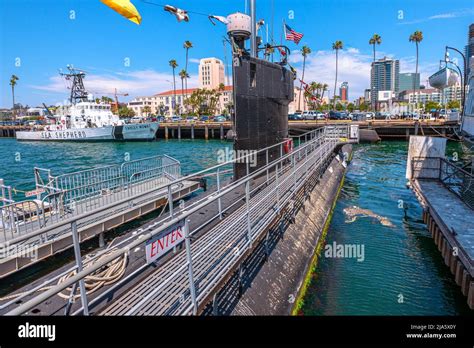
[282,178]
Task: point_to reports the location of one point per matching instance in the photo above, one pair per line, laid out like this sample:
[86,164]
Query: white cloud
[353,67]
[194,60]
[454,14]
[135,83]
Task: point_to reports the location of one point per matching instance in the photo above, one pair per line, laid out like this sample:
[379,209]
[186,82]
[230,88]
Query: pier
[446,192]
[214,236]
[385,129]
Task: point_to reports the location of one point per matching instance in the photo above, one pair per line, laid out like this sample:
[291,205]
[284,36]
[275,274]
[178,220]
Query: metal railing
[75,194]
[263,193]
[453,177]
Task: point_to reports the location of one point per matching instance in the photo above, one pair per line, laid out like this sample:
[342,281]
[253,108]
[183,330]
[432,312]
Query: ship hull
[127,132]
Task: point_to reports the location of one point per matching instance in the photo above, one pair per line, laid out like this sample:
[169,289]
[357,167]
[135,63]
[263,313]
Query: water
[401,263]
[17,159]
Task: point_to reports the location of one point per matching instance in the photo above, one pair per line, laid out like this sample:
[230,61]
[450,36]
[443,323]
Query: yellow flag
[125,8]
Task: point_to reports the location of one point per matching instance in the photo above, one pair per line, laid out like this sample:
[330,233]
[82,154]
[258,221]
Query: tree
[183,74]
[125,112]
[203,101]
[174,65]
[324,88]
[146,110]
[187,46]
[338,45]
[430,105]
[453,104]
[106,100]
[13,81]
[416,37]
[304,52]
[350,107]
[376,39]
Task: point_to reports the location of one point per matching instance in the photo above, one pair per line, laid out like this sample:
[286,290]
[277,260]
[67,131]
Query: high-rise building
[367,94]
[344,91]
[469,48]
[384,76]
[211,73]
[408,81]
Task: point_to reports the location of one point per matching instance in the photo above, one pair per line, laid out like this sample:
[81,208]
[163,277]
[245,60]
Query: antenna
[78,92]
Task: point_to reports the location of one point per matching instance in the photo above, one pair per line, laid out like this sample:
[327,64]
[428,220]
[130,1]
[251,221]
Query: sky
[37,38]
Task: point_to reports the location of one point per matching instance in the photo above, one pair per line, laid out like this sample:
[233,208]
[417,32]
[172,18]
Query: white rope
[108,274]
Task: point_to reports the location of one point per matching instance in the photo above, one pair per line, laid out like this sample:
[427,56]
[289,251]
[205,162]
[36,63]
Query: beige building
[211,73]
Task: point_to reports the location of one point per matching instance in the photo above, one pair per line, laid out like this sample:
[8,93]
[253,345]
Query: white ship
[86,120]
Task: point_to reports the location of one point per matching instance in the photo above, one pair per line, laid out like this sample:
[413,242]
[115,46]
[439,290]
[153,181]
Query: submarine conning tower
[262,93]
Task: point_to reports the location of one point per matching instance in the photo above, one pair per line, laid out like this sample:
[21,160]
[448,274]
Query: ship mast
[78,92]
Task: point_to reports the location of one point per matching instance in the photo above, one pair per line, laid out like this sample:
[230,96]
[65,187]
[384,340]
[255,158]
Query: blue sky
[42,37]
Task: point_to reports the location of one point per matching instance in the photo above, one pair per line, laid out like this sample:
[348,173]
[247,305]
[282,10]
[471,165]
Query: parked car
[136,119]
[295,117]
[369,116]
[204,118]
[189,119]
[320,115]
[220,118]
[175,119]
[313,115]
[359,116]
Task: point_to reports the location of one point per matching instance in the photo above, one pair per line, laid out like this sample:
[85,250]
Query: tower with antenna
[76,78]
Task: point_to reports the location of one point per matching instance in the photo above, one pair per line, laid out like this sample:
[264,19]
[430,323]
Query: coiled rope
[105,275]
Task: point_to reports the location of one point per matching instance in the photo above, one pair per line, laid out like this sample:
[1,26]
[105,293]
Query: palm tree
[338,45]
[416,37]
[174,65]
[376,39]
[324,88]
[146,110]
[304,52]
[187,45]
[13,81]
[183,75]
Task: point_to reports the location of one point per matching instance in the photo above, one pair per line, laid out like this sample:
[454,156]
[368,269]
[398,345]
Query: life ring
[288,146]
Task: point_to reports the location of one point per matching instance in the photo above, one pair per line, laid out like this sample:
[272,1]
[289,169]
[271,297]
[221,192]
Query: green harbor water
[402,271]
[400,260]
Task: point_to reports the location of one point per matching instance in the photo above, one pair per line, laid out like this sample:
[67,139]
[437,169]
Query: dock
[446,192]
[212,251]
[385,129]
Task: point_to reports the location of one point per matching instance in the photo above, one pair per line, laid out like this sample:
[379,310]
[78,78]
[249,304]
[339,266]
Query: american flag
[292,35]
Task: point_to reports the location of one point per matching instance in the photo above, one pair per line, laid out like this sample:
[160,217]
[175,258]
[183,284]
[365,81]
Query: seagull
[180,14]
